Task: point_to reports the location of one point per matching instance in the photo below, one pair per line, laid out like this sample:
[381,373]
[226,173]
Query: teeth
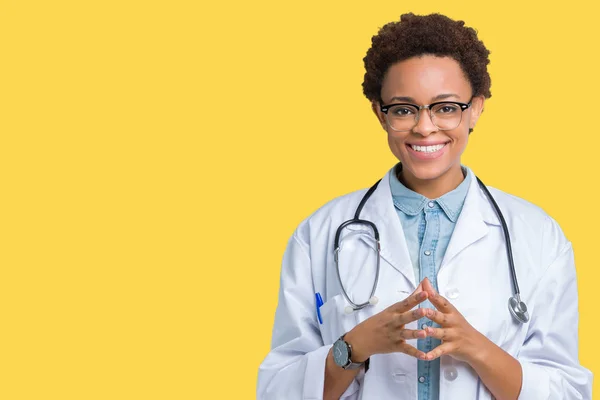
[428,149]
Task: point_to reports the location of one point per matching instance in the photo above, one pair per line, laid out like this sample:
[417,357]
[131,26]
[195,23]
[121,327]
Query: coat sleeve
[549,355]
[295,366]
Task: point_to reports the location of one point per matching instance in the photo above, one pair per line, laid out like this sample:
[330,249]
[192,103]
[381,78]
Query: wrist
[359,352]
[481,351]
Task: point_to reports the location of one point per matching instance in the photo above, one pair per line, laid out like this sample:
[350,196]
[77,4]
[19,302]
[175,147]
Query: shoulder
[518,207]
[531,223]
[332,213]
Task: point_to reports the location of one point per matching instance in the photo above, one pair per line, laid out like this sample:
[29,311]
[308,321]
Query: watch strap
[351,364]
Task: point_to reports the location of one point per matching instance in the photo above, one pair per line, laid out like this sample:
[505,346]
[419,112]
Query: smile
[427,153]
[428,149]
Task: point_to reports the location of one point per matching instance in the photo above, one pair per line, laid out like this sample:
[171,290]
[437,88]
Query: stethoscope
[517,308]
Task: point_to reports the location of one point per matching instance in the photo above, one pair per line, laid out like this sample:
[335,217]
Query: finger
[427,286]
[438,317]
[440,302]
[439,333]
[408,334]
[410,316]
[419,288]
[409,302]
[443,349]
[411,351]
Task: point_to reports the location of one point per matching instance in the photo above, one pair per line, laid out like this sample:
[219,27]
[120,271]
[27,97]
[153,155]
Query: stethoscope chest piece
[518,309]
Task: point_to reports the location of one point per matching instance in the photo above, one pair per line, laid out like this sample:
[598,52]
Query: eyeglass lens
[445,116]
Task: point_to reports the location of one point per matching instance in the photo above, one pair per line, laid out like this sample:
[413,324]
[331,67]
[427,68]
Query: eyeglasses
[445,115]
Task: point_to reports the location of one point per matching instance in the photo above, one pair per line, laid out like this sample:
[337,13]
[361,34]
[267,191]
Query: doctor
[437,325]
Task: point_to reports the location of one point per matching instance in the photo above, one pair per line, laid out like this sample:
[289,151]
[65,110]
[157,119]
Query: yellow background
[155,157]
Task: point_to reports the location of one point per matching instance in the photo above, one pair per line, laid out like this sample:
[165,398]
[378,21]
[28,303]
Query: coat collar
[471,225]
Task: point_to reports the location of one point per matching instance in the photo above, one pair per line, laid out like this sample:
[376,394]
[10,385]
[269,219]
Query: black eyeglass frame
[463,106]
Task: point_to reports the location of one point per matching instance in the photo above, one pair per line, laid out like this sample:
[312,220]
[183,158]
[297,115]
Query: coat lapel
[471,224]
[380,209]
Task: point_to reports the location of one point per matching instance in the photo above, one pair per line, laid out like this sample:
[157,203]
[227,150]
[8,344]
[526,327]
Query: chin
[427,171]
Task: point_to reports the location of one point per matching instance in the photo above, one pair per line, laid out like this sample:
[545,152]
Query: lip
[426,156]
[428,143]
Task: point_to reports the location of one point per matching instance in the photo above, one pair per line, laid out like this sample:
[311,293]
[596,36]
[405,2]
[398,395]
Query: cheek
[397,146]
[460,141]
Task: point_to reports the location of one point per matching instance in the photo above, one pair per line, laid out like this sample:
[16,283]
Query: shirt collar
[412,203]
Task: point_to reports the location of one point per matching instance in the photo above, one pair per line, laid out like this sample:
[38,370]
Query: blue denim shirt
[428,225]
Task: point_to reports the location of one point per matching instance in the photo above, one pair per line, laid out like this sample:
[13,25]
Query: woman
[437,324]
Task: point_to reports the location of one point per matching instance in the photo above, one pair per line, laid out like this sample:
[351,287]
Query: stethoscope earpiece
[372,301]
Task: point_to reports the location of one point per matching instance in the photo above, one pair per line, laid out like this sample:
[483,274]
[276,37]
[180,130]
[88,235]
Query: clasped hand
[385,332]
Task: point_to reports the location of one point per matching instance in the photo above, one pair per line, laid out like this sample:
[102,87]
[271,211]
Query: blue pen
[319,304]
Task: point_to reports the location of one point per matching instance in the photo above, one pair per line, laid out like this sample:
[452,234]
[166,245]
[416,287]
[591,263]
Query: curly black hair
[417,35]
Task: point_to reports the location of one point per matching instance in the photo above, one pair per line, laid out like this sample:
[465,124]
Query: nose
[425,125]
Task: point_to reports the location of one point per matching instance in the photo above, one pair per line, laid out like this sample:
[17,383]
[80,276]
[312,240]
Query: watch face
[340,353]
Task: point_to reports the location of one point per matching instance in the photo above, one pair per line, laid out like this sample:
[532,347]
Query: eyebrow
[442,96]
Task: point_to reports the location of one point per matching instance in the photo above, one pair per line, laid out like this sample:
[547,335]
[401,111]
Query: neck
[433,188]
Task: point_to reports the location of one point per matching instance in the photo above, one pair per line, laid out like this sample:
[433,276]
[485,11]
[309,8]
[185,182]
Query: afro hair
[433,34]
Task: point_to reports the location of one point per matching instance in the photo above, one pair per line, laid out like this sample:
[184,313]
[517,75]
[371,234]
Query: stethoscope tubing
[516,307]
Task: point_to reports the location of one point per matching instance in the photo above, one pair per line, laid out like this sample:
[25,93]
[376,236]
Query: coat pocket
[336,321]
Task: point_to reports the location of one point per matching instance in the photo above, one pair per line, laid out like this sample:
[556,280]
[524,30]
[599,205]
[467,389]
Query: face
[425,80]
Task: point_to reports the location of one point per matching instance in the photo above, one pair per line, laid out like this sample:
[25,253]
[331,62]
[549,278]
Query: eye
[402,111]
[447,108]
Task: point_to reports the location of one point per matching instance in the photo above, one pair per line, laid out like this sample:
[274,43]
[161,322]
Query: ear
[375,106]
[476,109]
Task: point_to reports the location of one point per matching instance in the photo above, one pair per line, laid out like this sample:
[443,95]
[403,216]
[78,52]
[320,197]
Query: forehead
[425,77]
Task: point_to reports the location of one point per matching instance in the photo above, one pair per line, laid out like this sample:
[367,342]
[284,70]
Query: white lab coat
[474,275]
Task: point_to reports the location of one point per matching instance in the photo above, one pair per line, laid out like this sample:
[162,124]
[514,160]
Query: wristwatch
[342,355]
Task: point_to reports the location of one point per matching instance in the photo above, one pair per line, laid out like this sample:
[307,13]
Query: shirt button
[431,204]
[422,379]
[452,294]
[427,253]
[450,373]
[423,326]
